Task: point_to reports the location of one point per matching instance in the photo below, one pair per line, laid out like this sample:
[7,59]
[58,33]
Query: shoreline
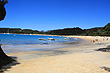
[38,47]
[77,58]
[32,34]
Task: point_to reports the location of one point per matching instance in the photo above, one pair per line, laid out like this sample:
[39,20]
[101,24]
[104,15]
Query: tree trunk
[4,59]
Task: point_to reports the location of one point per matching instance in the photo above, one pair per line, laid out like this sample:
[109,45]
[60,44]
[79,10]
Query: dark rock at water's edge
[104,49]
[2,11]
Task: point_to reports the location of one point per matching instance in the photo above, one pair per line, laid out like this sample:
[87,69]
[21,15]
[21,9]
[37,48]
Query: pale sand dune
[81,58]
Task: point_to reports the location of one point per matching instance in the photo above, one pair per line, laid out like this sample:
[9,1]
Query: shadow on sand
[8,66]
[104,49]
[106,68]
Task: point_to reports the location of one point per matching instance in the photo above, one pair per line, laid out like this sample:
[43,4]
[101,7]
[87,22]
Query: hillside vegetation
[98,31]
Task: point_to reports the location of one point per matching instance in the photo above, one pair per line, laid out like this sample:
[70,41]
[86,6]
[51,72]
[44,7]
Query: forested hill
[98,31]
[105,30]
[66,31]
[74,31]
[19,31]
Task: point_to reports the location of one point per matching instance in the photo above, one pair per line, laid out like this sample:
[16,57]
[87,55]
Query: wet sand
[80,58]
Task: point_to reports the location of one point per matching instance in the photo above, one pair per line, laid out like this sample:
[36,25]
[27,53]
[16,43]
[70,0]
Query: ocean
[12,43]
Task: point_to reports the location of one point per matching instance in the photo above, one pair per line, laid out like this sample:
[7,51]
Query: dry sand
[81,58]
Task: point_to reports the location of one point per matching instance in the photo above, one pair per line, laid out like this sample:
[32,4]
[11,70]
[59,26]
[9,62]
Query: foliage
[18,31]
[98,31]
[66,31]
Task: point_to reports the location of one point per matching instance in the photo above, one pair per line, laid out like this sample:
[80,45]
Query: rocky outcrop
[2,11]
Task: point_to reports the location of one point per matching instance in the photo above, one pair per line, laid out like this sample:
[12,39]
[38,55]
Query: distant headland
[97,31]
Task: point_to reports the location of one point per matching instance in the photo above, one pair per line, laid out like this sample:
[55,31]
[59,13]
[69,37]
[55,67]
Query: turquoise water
[23,43]
[17,39]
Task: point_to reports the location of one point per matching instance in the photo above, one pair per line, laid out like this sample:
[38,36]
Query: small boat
[42,39]
[51,39]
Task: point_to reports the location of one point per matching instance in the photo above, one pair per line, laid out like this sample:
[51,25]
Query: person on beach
[103,39]
[93,41]
[107,38]
[96,39]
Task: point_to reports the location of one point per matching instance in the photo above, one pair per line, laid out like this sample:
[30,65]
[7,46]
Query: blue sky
[56,14]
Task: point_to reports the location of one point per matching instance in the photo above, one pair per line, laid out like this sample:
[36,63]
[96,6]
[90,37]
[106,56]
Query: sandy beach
[80,58]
